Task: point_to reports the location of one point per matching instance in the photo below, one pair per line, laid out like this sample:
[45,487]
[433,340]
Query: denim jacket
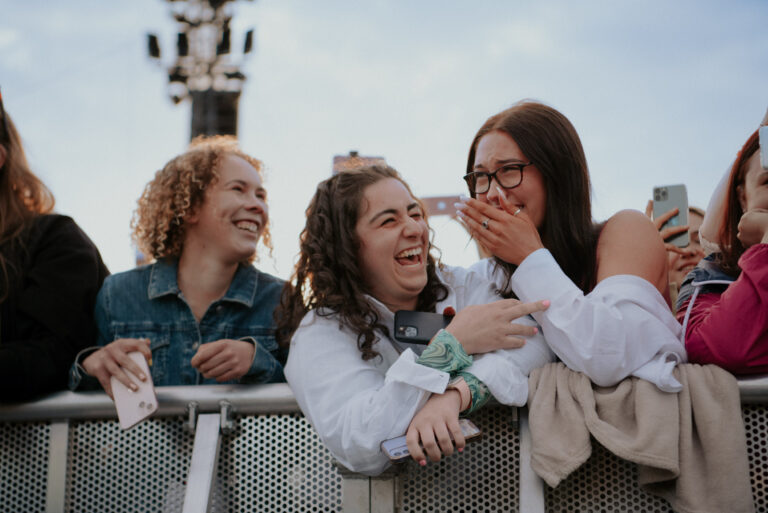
[146,302]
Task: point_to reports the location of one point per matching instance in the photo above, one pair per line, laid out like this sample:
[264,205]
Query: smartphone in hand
[133,407]
[397,451]
[666,198]
[418,327]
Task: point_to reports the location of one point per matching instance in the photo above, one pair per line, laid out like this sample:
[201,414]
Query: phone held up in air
[418,327]
[666,198]
[133,407]
[763,134]
[397,451]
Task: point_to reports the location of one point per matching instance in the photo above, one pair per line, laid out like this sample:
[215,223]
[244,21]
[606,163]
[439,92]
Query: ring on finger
[517,211]
[485,223]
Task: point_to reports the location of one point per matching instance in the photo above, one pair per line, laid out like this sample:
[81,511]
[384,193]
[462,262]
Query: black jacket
[47,317]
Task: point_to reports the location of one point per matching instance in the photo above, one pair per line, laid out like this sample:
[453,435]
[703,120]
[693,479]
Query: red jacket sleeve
[731,329]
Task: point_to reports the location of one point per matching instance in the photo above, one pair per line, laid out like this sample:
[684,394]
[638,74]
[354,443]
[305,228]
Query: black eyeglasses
[508,176]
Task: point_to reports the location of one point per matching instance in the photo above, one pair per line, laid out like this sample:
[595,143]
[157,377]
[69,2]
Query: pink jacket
[727,323]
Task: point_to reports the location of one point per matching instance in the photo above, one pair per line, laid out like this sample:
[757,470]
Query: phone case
[763,134]
[397,451]
[418,327]
[666,198]
[133,407]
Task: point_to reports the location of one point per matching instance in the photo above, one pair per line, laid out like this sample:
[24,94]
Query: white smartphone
[667,197]
[763,134]
[397,451]
[133,407]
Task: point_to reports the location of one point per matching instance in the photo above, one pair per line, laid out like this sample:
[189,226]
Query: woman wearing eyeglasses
[50,273]
[530,208]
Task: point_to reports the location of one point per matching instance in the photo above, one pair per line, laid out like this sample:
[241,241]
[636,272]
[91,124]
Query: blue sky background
[661,92]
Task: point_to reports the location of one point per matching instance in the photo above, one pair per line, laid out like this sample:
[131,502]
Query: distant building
[353,160]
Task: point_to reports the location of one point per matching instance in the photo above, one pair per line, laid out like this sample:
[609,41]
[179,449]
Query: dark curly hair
[327,277]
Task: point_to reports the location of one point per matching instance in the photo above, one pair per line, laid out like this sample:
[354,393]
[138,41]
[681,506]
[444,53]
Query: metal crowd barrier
[248,448]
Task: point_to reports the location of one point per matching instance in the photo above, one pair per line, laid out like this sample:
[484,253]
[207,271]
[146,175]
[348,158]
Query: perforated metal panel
[756,424]
[607,484]
[23,465]
[276,463]
[484,478]
[604,484]
[142,469]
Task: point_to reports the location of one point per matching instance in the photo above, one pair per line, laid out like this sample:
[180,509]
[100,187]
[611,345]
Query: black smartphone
[418,327]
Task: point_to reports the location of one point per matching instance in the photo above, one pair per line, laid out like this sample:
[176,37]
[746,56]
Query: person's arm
[731,329]
[624,322]
[55,305]
[352,404]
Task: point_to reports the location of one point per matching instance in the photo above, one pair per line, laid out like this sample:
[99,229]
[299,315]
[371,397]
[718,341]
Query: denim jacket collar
[163,282]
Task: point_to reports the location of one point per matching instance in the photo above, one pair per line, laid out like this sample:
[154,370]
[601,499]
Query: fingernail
[546,302]
[535,330]
[463,197]
[460,213]
[460,206]
[461,450]
[134,387]
[142,377]
[501,192]
[423,463]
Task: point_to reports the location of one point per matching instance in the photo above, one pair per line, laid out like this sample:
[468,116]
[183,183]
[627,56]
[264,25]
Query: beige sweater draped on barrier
[690,446]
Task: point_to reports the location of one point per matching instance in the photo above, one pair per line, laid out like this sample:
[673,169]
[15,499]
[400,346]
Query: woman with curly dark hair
[50,272]
[201,313]
[365,254]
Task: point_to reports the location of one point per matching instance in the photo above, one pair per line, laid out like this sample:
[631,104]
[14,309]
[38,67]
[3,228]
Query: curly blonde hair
[178,190]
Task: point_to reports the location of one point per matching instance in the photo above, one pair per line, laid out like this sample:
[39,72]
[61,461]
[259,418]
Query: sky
[660,92]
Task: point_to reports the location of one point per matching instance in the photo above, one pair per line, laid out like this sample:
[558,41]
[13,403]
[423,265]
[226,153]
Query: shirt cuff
[479,392]
[264,366]
[445,353]
[407,370]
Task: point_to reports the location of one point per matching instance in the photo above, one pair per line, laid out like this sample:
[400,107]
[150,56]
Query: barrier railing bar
[531,485]
[202,468]
[55,495]
[172,401]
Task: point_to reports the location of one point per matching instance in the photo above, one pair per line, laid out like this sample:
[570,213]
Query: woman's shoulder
[629,243]
[628,225]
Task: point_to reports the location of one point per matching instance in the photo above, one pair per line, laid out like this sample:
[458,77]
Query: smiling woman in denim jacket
[200,314]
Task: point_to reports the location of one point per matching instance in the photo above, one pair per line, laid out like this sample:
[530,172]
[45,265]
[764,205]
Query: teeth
[248,225]
[409,252]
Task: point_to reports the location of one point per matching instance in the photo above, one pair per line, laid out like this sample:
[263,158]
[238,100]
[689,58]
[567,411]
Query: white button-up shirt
[355,405]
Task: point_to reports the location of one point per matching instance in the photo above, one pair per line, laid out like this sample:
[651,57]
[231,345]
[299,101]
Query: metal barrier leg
[363,494]
[202,468]
[531,485]
[57,467]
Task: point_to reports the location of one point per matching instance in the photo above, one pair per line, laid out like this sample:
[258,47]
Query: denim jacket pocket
[159,343]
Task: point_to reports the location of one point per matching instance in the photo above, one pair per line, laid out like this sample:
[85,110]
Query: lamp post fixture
[204,68]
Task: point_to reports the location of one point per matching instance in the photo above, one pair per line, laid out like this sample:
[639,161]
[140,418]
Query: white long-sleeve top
[622,328]
[354,404]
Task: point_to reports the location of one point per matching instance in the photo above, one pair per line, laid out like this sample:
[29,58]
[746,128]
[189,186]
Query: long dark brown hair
[550,141]
[22,197]
[328,277]
[731,248]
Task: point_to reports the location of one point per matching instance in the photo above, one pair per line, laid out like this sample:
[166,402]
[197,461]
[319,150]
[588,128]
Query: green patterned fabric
[478,390]
[445,353]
